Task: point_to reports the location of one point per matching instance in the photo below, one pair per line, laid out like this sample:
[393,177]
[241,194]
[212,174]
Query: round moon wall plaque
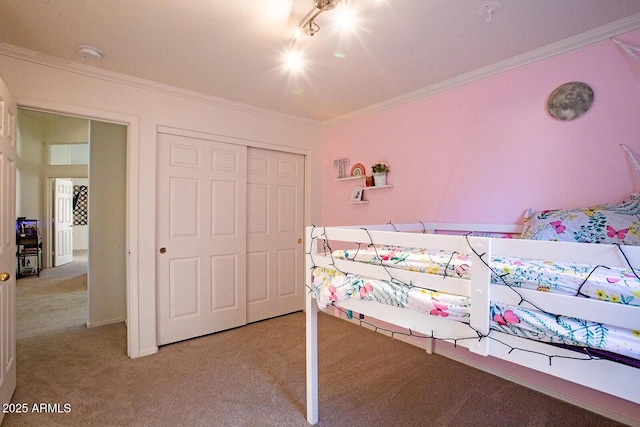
[570,101]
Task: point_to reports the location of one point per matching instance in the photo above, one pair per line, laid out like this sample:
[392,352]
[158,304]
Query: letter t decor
[341,164]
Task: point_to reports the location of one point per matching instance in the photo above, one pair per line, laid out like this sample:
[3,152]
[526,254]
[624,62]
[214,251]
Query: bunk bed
[465,275]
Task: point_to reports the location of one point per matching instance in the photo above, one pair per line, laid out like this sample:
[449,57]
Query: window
[69,154]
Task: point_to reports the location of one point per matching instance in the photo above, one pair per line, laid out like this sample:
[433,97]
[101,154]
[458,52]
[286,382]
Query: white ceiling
[233,49]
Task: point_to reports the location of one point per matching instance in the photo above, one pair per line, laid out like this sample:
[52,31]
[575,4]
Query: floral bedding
[331,286]
[618,285]
[615,223]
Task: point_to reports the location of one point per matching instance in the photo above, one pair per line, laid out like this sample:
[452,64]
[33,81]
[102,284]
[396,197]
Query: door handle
[163,250]
[4,276]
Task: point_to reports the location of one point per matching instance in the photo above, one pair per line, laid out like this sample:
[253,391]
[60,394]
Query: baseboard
[105,322]
[147,352]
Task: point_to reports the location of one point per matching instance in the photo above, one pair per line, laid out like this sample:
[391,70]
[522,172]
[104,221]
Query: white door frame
[133,145]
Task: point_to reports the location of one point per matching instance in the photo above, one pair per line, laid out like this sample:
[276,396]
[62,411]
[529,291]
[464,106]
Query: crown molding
[50,61]
[581,40]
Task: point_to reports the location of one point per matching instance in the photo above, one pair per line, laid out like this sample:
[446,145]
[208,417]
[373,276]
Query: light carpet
[249,376]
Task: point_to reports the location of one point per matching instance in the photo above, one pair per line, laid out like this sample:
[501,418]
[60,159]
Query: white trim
[231,140]
[581,40]
[105,322]
[131,237]
[28,55]
[133,158]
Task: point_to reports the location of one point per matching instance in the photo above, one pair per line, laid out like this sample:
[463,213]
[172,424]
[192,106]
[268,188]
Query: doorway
[105,147]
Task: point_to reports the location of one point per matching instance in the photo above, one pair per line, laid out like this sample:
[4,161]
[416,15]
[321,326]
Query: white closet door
[201,237]
[275,222]
[63,221]
[8,155]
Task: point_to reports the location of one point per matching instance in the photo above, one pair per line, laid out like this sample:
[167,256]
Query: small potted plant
[380,170]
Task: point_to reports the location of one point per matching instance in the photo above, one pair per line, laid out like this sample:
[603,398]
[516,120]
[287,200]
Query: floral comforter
[331,286]
[620,285]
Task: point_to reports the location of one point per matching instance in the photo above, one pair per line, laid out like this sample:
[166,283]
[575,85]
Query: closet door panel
[201,236]
[275,232]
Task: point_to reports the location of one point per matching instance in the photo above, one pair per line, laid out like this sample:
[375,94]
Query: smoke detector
[89,52]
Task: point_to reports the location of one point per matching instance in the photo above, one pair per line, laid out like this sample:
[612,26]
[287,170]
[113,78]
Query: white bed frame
[603,375]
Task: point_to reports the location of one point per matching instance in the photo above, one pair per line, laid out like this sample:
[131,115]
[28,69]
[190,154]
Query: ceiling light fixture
[89,52]
[308,26]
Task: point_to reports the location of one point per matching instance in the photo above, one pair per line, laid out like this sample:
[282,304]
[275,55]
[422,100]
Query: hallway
[55,300]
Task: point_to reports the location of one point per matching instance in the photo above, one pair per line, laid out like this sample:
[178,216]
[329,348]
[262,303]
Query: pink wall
[486,151]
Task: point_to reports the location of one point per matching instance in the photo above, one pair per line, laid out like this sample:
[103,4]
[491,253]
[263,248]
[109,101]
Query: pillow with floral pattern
[612,223]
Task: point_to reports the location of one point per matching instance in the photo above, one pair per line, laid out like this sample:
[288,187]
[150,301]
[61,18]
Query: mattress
[331,286]
[617,285]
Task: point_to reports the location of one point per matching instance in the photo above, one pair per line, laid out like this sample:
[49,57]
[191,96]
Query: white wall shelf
[373,187]
[363,202]
[378,188]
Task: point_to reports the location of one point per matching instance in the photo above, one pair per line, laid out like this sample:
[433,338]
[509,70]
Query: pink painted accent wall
[486,151]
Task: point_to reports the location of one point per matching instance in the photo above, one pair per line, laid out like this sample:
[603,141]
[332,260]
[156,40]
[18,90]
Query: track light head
[326,4]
